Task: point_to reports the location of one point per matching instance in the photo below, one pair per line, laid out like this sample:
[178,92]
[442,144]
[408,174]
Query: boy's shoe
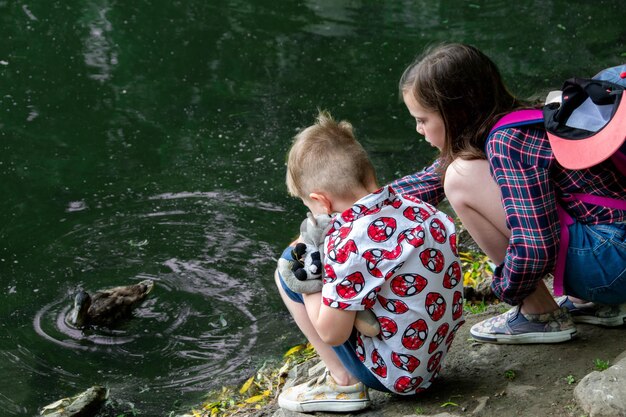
[323,394]
[514,327]
[592,313]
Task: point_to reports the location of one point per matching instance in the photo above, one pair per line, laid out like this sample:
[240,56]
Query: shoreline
[492,380]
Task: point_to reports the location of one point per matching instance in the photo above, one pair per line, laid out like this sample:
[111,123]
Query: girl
[506,191]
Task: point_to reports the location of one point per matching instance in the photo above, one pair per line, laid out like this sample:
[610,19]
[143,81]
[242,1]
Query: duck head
[78,315]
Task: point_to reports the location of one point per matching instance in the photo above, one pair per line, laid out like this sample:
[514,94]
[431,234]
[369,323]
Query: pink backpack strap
[518,118]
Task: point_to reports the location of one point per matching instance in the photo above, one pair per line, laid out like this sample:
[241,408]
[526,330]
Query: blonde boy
[393,255]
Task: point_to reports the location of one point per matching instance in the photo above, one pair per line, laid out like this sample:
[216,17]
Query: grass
[601,365]
[510,374]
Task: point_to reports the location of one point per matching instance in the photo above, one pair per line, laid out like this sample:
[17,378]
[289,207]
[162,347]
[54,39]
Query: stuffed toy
[308,254]
[304,274]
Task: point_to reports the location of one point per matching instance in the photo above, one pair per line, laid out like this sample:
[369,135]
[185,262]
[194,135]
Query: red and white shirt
[397,256]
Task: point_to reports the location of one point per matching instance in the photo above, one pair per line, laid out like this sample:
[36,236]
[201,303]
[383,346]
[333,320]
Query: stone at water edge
[84,404]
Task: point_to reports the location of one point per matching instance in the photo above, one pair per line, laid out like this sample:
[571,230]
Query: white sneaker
[323,394]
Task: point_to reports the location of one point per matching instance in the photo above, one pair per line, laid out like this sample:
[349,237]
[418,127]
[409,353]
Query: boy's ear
[324,200]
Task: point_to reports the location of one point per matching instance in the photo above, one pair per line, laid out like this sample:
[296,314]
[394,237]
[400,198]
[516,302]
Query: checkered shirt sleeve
[425,185]
[520,164]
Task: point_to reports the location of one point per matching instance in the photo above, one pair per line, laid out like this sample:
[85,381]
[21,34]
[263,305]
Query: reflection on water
[99,51]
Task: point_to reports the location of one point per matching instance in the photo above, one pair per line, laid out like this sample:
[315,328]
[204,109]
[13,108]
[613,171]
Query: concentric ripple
[197,328]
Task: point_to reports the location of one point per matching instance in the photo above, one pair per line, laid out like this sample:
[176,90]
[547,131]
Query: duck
[107,307]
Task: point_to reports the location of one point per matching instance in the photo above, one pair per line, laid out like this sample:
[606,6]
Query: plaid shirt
[531,182]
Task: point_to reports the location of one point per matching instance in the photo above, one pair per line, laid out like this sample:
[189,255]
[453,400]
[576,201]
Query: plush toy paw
[285,269]
[307,265]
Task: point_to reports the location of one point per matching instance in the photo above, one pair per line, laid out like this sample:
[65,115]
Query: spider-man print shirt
[397,256]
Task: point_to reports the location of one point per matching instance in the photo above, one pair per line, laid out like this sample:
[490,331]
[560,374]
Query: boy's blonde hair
[327,157]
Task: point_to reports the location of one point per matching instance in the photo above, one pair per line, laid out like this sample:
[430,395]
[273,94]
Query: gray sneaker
[514,327]
[592,313]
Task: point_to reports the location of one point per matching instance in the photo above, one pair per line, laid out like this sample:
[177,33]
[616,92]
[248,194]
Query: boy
[393,255]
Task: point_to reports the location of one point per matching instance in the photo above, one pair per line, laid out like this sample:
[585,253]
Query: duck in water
[107,307]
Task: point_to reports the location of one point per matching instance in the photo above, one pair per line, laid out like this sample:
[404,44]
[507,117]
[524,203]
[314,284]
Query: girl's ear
[323,200]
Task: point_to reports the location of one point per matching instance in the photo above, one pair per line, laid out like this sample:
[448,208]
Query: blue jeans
[345,352]
[595,268]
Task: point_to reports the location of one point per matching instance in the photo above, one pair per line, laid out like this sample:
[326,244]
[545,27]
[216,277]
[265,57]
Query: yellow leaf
[246,386]
[196,413]
[294,349]
[465,256]
[254,399]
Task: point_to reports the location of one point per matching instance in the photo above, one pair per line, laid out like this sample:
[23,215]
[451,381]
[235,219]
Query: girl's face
[429,123]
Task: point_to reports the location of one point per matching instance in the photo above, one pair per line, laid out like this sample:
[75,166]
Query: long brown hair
[465,87]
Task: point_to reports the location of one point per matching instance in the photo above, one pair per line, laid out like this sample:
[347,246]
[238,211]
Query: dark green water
[146,139]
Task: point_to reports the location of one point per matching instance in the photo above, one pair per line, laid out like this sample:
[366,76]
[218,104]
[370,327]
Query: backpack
[585,127]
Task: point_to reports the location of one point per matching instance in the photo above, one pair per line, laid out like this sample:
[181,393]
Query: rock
[603,394]
[317,370]
[300,373]
[84,404]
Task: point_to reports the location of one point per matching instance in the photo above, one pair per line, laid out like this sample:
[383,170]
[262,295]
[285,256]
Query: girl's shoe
[592,313]
[514,327]
[323,394]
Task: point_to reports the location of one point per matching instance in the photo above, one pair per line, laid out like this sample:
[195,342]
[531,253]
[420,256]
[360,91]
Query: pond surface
[146,139]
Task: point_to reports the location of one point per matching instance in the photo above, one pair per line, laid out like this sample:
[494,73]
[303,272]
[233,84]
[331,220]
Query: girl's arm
[521,167]
[334,326]
[425,185]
